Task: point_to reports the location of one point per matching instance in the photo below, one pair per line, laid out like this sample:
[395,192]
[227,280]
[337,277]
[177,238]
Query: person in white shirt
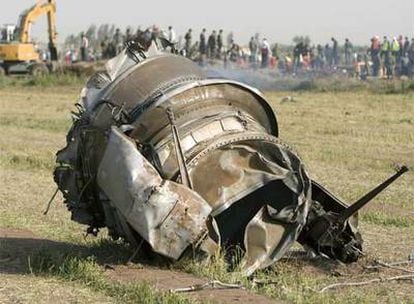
[265,51]
[171,35]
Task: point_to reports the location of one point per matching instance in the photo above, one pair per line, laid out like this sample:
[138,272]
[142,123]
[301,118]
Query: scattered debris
[409,277]
[289,99]
[213,284]
[394,265]
[382,264]
[109,267]
[377,265]
[132,257]
[50,201]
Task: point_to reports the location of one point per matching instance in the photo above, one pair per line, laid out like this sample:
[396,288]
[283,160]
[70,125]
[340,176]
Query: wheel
[39,70]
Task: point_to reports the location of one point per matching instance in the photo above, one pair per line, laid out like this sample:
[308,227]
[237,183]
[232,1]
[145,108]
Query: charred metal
[159,153]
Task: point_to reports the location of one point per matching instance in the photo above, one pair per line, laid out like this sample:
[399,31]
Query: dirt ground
[349,142]
[19,244]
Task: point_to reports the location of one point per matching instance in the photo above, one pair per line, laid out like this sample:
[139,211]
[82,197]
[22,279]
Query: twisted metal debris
[160,154]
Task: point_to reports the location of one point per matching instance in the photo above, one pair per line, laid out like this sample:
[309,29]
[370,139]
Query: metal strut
[185,176]
[352,209]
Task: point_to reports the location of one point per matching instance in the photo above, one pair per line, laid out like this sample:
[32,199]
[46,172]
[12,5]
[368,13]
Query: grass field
[350,142]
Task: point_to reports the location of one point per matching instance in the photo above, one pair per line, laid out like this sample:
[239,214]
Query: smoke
[263,79]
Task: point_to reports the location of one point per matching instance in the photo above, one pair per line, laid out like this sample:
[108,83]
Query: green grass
[380,218]
[82,265]
[52,125]
[58,79]
[27,162]
[45,81]
[292,285]
[216,269]
[87,272]
[289,281]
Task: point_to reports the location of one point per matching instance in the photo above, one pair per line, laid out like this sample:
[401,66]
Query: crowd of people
[392,57]
[387,58]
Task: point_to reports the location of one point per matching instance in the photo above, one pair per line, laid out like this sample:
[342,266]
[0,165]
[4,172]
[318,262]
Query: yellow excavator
[18,54]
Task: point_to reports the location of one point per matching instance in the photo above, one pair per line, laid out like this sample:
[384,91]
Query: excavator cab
[18,54]
[7,33]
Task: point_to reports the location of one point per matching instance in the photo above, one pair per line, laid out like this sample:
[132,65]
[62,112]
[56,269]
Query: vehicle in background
[18,54]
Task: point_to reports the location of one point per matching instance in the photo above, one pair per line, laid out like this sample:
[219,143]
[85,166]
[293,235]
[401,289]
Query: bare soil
[20,244]
[166,280]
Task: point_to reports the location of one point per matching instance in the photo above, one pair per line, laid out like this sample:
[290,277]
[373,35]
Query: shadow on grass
[27,253]
[83,264]
[33,255]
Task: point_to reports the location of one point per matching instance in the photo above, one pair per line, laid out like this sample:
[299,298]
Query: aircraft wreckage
[159,153]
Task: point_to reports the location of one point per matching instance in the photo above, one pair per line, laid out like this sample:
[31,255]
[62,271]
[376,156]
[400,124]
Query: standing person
[396,54]
[385,55]
[147,38]
[385,45]
[265,52]
[328,55]
[188,40]
[212,39]
[84,47]
[274,56]
[387,58]
[312,57]
[319,61]
[253,47]
[257,39]
[171,35]
[348,49]
[128,35]
[118,40]
[147,35]
[68,57]
[410,54]
[275,51]
[219,44]
[305,55]
[365,70]
[202,46]
[335,57]
[297,52]
[406,45]
[375,51]
[405,60]
[401,44]
[155,33]
[230,38]
[104,48]
[139,35]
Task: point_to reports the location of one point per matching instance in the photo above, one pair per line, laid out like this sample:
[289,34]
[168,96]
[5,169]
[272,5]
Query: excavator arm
[30,16]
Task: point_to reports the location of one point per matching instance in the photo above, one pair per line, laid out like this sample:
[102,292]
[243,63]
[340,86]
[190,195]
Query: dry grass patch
[349,142]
